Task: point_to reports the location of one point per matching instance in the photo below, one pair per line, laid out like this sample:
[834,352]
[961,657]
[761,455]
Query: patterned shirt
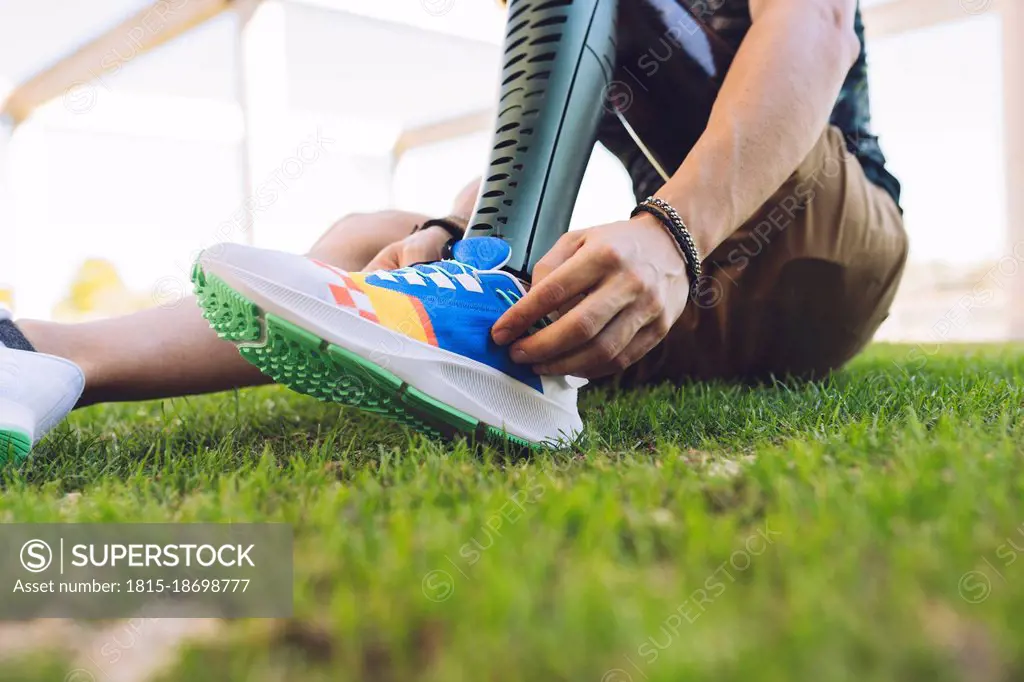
[731,20]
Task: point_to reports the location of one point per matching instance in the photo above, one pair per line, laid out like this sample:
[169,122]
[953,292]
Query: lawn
[861,528]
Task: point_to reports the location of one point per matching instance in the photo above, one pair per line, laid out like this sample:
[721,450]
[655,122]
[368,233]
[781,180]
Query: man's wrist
[662,239]
[453,226]
[674,225]
[707,217]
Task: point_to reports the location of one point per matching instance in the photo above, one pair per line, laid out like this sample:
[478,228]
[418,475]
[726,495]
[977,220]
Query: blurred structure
[97,291]
[6,296]
[142,131]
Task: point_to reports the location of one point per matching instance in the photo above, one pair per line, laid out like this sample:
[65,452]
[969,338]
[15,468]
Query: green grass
[792,532]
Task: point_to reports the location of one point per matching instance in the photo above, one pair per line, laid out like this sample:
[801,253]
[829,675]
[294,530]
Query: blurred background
[137,132]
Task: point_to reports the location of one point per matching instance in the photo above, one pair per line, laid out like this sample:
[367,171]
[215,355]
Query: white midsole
[416,363]
[16,417]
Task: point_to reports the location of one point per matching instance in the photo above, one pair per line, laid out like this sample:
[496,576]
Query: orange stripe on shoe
[342,296]
[428,326]
[356,280]
[393,309]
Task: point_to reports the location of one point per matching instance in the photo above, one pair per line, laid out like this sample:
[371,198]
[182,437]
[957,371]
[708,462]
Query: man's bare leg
[172,351]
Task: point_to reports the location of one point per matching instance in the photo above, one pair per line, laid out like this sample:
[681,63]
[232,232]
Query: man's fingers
[419,248]
[417,253]
[514,324]
[642,344]
[577,327]
[575,276]
[385,260]
[600,350]
[567,245]
[567,307]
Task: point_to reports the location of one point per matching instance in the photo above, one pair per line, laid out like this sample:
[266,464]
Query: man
[777,180]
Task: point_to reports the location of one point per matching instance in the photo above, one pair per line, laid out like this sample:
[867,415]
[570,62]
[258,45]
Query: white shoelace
[466,279]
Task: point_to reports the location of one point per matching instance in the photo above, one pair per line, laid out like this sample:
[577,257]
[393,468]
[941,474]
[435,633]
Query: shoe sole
[308,364]
[15,446]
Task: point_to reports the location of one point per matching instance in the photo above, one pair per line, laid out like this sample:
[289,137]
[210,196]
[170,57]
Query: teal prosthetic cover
[558,60]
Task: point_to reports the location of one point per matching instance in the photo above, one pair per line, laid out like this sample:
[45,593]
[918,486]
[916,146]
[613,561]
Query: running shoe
[413,344]
[36,392]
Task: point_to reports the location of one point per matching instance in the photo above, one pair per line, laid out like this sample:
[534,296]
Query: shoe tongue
[482,253]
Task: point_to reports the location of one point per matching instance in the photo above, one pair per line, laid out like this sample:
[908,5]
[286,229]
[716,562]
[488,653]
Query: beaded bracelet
[675,226]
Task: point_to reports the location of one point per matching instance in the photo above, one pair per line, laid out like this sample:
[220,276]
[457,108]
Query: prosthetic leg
[641,74]
[415,344]
[558,62]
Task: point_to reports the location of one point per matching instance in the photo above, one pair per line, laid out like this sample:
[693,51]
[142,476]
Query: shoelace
[426,268]
[509,296]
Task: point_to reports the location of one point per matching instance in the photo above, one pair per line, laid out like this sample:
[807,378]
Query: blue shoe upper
[463,298]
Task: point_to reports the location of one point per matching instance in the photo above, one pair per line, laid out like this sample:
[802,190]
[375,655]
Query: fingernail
[519,355]
[501,336]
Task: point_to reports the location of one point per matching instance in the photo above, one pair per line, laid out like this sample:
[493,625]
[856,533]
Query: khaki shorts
[799,289]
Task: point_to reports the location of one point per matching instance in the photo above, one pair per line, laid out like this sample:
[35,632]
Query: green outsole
[14,446]
[306,363]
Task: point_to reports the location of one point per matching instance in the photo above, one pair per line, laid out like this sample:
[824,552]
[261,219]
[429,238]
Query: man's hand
[622,287]
[424,246]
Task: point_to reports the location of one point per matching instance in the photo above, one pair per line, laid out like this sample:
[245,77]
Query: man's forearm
[774,104]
